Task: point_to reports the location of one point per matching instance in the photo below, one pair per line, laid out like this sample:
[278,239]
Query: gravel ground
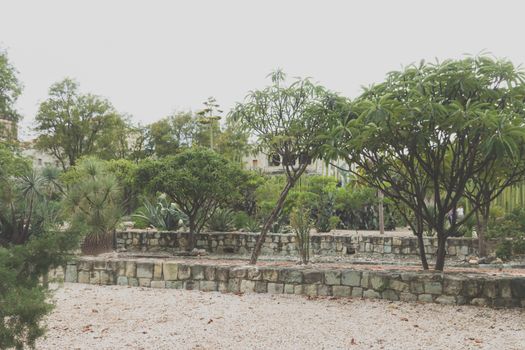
[114,317]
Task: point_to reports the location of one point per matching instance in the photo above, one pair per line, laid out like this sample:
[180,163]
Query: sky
[151,58]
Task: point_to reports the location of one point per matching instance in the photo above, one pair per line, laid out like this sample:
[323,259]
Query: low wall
[443,288]
[242,243]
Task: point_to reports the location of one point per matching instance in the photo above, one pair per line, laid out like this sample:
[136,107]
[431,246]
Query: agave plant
[222,220]
[162,215]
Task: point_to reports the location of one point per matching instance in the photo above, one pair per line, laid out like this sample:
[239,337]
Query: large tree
[289,122]
[424,134]
[198,180]
[73,124]
[10,89]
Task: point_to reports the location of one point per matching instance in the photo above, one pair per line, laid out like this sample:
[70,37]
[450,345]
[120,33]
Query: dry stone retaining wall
[443,288]
[284,244]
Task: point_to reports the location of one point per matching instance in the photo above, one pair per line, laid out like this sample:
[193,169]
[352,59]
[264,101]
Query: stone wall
[284,244]
[443,288]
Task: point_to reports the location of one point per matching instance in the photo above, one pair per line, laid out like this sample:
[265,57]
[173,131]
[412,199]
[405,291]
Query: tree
[73,124]
[210,116]
[198,180]
[288,122]
[172,134]
[425,133]
[94,202]
[10,89]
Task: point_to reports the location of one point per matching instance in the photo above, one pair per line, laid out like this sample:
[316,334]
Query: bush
[301,224]
[161,215]
[240,220]
[504,250]
[221,220]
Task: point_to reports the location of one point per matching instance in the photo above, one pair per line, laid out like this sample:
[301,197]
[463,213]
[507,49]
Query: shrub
[301,225]
[504,250]
[222,220]
[162,215]
[240,220]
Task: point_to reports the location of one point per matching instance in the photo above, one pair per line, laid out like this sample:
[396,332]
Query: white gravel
[114,317]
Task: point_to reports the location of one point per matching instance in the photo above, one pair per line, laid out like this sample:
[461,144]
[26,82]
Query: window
[39,161]
[255,163]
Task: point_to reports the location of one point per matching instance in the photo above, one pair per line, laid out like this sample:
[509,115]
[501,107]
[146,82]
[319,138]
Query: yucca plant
[94,203]
[222,220]
[162,215]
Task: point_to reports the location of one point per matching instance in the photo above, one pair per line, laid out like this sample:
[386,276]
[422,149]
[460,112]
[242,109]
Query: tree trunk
[481,225]
[269,221]
[421,246]
[441,251]
[381,213]
[191,235]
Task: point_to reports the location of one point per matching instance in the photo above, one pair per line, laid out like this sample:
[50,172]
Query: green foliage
[509,231]
[124,171]
[24,301]
[73,125]
[198,180]
[222,220]
[301,225]
[10,89]
[162,215]
[504,250]
[93,203]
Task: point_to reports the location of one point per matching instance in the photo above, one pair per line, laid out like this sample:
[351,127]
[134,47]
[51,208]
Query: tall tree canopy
[424,134]
[289,121]
[10,88]
[73,124]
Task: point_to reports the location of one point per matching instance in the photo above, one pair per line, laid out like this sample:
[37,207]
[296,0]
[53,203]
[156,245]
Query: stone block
[222,273]
[174,284]
[452,285]
[351,278]
[341,291]
[446,299]
[517,286]
[310,289]
[83,277]
[208,286]
[275,288]
[191,285]
[145,282]
[158,284]
[479,302]
[371,294]
[133,281]
[490,289]
[311,277]
[291,276]
[131,269]
[247,286]
[106,277]
[254,274]
[472,288]
[271,275]
[417,287]
[94,277]
[85,265]
[157,270]
[170,271]
[261,287]
[145,270]
[399,286]
[289,289]
[100,265]
[324,290]
[426,298]
[332,277]
[357,292]
[504,289]
[379,283]
[234,285]
[433,287]
[407,297]
[184,272]
[71,273]
[222,287]
[365,277]
[238,272]
[197,272]
[390,294]
[298,289]
[210,273]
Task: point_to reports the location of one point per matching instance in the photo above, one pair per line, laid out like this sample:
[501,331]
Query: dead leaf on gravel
[404,319]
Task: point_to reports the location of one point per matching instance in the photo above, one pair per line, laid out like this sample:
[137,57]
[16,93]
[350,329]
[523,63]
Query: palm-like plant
[162,215]
[94,203]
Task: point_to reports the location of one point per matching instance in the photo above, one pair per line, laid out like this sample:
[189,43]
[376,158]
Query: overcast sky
[150,58]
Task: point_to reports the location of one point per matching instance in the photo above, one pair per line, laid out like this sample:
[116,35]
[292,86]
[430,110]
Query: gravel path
[114,317]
